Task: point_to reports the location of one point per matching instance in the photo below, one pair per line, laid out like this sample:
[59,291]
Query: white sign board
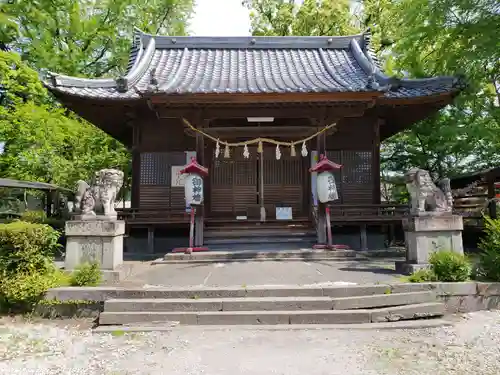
[177,178]
[283,213]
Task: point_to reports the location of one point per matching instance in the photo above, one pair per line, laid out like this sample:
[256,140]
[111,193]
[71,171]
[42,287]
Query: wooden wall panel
[165,135]
[354,133]
[355,179]
[155,190]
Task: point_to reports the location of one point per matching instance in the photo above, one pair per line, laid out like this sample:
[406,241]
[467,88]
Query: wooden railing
[150,216]
[368,212]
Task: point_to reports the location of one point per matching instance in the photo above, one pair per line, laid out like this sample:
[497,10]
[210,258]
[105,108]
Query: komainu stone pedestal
[95,241]
[427,234]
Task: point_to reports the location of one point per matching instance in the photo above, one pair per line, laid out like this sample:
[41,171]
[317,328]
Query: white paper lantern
[327,188]
[193,189]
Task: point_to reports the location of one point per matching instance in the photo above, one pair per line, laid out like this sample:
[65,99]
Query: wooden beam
[313,111]
[323,97]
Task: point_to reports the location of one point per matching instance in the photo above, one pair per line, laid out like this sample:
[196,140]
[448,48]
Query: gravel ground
[471,346]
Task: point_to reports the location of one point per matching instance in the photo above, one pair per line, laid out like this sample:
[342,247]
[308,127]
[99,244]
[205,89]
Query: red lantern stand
[326,165]
[192,168]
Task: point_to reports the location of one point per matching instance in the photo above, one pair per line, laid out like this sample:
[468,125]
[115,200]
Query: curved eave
[403,88]
[106,88]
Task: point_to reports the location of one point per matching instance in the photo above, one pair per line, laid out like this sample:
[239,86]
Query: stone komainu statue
[425,195]
[99,198]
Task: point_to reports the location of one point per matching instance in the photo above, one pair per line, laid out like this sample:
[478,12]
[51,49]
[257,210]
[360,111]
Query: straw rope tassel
[260,141]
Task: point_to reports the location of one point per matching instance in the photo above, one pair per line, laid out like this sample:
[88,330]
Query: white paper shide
[327,188]
[193,189]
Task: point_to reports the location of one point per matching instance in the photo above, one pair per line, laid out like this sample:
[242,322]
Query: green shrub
[37,217]
[422,276]
[40,217]
[450,266]
[21,292]
[87,274]
[27,248]
[489,258]
[27,269]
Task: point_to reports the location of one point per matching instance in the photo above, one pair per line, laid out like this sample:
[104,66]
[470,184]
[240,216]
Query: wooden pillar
[199,219]
[136,168]
[321,229]
[151,240]
[376,162]
[363,237]
[492,206]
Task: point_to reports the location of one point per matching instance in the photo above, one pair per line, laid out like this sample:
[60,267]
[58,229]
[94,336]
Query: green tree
[417,38]
[449,37]
[40,141]
[311,17]
[84,37]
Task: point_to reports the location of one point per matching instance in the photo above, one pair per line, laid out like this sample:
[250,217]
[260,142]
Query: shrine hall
[258,113]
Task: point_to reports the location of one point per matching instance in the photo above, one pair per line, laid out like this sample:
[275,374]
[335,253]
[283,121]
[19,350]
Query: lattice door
[284,181]
[233,184]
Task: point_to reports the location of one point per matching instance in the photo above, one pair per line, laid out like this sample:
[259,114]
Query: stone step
[258,255]
[333,290]
[266,303]
[168,327]
[408,312]
[258,239]
[258,232]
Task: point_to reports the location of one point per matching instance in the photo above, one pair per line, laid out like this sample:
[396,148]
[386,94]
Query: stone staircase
[250,236]
[271,306]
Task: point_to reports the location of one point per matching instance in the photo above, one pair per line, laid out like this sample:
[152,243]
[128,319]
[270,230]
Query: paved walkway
[468,347]
[262,273]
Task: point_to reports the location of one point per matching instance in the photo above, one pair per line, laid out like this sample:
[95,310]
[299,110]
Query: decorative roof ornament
[52,77]
[153,81]
[121,84]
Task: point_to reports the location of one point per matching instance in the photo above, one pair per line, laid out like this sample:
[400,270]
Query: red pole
[189,250]
[328,227]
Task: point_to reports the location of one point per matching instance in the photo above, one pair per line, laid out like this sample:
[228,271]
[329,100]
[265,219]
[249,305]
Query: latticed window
[155,168]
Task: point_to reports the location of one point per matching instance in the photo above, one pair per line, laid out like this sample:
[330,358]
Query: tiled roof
[197,65]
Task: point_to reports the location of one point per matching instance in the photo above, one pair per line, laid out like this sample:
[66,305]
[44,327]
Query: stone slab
[277,304]
[382,300]
[134,317]
[441,288]
[157,304]
[355,290]
[243,318]
[433,223]
[405,324]
[94,228]
[330,317]
[418,311]
[283,291]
